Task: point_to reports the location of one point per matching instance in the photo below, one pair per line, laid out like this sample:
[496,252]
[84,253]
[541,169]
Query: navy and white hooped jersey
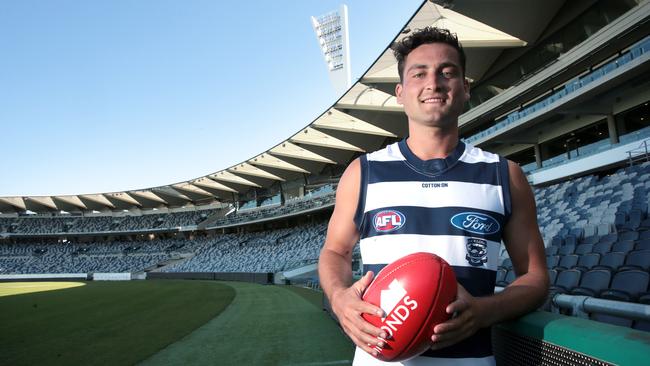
[455,207]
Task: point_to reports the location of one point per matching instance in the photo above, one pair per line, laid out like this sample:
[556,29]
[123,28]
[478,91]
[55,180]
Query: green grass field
[166,323]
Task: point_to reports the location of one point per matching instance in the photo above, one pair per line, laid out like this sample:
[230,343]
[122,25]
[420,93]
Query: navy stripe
[477,281]
[429,221]
[361,203]
[478,345]
[401,171]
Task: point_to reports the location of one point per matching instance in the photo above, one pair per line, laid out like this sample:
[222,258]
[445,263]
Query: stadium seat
[602,248]
[551,250]
[552,276]
[623,246]
[567,261]
[566,281]
[570,240]
[584,249]
[587,261]
[510,276]
[590,239]
[643,244]
[506,263]
[552,261]
[627,286]
[567,249]
[610,261]
[628,235]
[593,282]
[501,275]
[637,259]
[604,229]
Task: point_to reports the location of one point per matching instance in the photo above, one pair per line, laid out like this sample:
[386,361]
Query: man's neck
[431,142]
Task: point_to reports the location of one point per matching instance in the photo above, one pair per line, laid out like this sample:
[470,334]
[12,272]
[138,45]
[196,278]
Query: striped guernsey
[455,207]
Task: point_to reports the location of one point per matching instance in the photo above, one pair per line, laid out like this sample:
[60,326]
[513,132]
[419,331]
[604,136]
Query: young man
[456,201]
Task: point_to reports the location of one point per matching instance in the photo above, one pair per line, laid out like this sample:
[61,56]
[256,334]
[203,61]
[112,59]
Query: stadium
[559,87]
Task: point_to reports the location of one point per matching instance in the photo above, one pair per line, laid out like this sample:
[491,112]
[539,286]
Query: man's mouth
[433,100]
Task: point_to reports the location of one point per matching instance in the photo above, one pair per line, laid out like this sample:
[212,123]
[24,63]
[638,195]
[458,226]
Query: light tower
[332,33]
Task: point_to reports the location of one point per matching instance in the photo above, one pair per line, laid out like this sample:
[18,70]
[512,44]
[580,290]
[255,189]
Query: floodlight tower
[332,33]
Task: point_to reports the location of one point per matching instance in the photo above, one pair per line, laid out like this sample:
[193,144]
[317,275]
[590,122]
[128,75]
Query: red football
[413,291]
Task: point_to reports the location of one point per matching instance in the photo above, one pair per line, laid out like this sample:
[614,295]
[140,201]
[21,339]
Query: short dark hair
[422,36]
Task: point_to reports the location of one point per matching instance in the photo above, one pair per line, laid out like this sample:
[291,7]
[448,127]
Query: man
[456,201]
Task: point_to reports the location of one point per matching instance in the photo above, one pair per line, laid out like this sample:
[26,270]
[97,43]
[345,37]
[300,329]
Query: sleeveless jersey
[455,207]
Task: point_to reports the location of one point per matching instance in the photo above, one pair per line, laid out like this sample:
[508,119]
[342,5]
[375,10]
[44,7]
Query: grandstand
[560,87]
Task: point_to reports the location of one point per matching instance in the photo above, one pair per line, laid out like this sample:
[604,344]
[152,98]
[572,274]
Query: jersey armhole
[504,177]
[361,203]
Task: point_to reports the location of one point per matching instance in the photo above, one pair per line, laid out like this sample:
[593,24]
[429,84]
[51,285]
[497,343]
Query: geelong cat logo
[475,222]
[388,220]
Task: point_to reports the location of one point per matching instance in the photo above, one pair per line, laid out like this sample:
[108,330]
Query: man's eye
[448,74]
[418,75]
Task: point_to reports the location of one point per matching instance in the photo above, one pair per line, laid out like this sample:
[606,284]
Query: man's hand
[466,322]
[348,307]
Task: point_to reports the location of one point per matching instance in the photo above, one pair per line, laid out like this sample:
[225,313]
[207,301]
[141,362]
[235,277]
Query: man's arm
[334,266]
[527,292]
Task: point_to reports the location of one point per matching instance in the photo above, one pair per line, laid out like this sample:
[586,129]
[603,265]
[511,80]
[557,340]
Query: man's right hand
[348,307]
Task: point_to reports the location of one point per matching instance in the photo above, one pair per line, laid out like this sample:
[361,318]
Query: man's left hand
[467,321]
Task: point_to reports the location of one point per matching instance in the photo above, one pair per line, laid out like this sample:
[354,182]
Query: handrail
[642,150]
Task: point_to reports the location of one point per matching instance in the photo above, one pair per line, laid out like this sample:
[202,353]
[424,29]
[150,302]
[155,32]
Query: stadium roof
[363,119]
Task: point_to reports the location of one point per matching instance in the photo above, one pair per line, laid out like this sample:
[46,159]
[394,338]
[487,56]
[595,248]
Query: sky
[105,96]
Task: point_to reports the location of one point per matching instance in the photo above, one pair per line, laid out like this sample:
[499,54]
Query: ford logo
[476,223]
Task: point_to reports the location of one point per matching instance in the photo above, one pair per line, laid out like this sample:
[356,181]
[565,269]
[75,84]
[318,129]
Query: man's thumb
[365,281]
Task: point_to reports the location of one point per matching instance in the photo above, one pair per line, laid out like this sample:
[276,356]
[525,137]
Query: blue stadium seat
[602,248]
[587,261]
[501,275]
[552,261]
[510,276]
[566,281]
[506,263]
[628,235]
[627,286]
[567,249]
[583,249]
[624,246]
[552,276]
[643,244]
[551,250]
[637,259]
[611,261]
[567,261]
[593,282]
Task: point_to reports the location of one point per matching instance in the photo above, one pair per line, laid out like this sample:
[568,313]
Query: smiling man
[444,197]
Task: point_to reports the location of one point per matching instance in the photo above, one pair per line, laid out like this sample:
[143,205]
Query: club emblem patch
[476,251]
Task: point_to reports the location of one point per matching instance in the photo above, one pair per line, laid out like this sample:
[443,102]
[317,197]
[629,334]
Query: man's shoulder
[475,154]
[391,152]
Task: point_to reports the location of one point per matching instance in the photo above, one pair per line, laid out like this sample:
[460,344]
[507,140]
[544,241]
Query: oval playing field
[167,323]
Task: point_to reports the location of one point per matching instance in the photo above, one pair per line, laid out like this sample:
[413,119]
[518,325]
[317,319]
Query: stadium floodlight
[332,33]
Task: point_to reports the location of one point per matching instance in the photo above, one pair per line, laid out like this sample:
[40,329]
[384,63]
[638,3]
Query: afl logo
[475,222]
[388,220]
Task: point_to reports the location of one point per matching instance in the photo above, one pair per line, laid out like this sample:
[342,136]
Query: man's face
[433,90]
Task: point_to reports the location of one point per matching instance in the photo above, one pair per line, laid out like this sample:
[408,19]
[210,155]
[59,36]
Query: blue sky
[102,96]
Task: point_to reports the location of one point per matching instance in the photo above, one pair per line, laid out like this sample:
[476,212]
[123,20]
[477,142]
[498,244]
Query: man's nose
[435,82]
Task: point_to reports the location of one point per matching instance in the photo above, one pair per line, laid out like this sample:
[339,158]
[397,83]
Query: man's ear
[398,93]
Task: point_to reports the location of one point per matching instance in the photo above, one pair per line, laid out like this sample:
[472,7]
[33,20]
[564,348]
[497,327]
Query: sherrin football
[413,291]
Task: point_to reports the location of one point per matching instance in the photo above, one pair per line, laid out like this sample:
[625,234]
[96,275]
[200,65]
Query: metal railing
[639,154]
